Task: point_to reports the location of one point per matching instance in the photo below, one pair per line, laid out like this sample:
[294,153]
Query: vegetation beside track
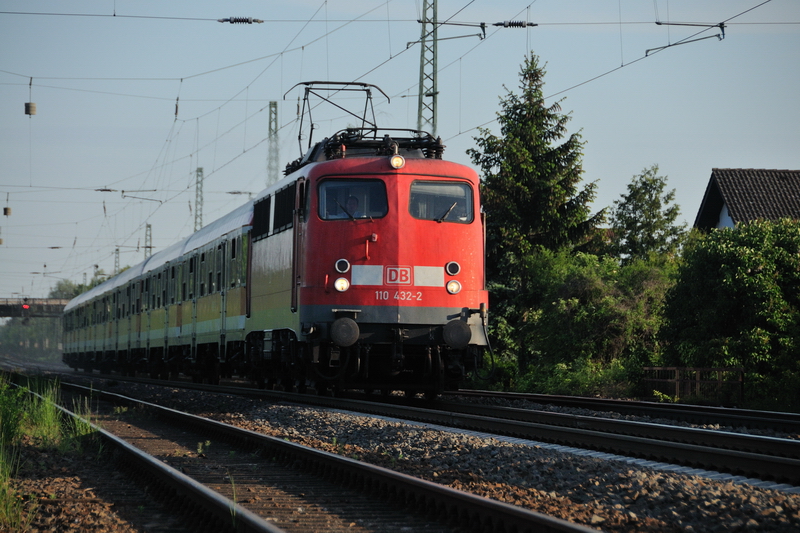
[32,422]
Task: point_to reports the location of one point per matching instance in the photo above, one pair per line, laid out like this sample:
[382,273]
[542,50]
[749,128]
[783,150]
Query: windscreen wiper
[446,212]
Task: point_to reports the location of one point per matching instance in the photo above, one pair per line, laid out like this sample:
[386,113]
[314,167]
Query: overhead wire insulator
[515,24]
[241,20]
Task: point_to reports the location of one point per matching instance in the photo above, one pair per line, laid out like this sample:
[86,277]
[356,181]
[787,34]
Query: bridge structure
[32,307]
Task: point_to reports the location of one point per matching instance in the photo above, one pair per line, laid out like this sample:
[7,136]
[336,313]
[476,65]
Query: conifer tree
[531,178]
[643,221]
[531,182]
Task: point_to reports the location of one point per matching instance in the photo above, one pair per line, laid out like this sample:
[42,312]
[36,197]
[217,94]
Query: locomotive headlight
[341,284]
[397,161]
[453,287]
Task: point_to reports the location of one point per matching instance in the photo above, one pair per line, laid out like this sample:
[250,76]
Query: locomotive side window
[441,201]
[345,199]
[261,218]
[284,209]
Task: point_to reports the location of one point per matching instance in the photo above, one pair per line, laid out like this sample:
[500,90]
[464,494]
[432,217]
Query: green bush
[737,299]
[581,377]
[593,308]
[11,413]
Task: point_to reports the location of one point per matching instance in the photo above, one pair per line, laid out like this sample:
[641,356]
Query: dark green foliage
[532,199]
[530,188]
[737,298]
[595,312]
[643,221]
[11,414]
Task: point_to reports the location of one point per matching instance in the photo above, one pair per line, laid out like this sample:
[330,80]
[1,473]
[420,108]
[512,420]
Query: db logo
[398,275]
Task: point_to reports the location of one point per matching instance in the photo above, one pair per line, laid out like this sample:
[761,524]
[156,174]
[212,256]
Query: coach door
[221,260]
[194,288]
[298,250]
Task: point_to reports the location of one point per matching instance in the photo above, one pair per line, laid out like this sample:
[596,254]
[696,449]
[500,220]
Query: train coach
[363,268]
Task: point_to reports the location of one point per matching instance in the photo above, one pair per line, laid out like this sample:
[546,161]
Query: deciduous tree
[643,221]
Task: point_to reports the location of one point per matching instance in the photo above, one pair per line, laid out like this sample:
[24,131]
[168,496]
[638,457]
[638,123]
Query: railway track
[695,414]
[309,485]
[750,456]
[643,508]
[764,458]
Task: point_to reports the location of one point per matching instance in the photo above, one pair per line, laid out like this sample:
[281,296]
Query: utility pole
[148,240]
[428,87]
[428,93]
[273,153]
[116,261]
[198,199]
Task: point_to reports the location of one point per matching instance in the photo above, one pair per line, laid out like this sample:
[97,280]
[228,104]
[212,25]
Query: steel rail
[737,454]
[701,414]
[741,462]
[705,437]
[469,510]
[784,469]
[220,512]
[782,466]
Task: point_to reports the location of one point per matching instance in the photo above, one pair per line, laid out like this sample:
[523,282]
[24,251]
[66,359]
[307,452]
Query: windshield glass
[441,201]
[349,199]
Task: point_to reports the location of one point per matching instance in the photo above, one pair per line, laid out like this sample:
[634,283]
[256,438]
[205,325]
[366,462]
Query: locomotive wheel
[431,395]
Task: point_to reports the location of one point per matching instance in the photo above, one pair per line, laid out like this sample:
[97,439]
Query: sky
[106,154]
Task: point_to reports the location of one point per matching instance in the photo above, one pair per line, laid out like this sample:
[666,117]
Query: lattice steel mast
[428,87]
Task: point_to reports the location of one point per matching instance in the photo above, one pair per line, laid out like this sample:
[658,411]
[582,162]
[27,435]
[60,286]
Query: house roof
[750,194]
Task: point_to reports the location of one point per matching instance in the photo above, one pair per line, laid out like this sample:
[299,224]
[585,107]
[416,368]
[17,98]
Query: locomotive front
[391,292]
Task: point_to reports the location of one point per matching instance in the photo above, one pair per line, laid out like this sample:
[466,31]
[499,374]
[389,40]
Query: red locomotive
[363,268]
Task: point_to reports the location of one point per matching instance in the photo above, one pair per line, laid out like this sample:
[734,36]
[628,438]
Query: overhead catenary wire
[611,71]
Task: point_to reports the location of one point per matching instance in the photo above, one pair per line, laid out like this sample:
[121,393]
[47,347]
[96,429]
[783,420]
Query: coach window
[441,201]
[345,199]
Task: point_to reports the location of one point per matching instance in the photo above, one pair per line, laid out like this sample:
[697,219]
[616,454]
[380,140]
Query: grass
[16,514]
[30,414]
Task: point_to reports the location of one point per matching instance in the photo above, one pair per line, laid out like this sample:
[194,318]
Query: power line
[602,75]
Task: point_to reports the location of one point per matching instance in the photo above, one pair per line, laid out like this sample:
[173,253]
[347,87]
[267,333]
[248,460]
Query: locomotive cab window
[441,201]
[346,199]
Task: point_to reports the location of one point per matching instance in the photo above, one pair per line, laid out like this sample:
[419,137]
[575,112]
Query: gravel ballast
[606,494]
